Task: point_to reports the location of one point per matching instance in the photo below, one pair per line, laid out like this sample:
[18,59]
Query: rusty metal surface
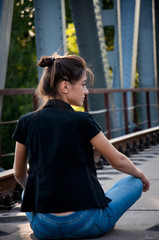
[7,182]
[16,91]
[136,136]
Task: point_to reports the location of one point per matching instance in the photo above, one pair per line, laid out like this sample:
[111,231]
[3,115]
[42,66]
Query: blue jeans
[92,222]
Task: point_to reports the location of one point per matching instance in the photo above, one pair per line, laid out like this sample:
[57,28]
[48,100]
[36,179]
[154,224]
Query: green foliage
[68,12]
[107,4]
[109,37]
[21,72]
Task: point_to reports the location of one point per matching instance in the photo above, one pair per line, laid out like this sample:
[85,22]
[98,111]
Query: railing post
[0,153]
[125,112]
[135,109]
[35,102]
[148,109]
[107,115]
[157,92]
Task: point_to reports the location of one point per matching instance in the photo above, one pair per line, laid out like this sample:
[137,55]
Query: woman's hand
[118,160]
[145,181]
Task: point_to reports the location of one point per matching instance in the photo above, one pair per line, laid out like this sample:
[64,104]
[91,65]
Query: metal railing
[11,92]
[137,104]
[125,109]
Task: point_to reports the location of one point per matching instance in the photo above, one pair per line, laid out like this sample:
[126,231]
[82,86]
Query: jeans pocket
[46,231]
[41,234]
[95,231]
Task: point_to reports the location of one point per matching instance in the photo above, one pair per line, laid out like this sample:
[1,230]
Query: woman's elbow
[18,174]
[21,178]
[118,163]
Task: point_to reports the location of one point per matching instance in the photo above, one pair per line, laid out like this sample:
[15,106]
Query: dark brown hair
[60,68]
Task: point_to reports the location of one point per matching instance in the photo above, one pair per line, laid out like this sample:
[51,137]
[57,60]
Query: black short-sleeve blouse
[62,175]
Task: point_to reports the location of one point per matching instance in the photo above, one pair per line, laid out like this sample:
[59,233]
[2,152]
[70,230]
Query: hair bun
[46,61]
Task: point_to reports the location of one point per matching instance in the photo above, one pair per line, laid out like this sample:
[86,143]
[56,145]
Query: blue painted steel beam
[49,27]
[88,38]
[157,36]
[1,7]
[6,12]
[130,12]
[146,63]
[87,18]
[127,29]
[111,17]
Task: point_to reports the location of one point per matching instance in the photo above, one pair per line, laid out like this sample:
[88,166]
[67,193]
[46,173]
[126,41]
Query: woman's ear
[64,87]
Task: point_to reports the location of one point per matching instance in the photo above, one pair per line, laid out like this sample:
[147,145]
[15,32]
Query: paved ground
[141,222]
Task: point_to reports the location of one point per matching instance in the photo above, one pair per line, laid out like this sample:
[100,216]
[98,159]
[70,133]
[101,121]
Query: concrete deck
[141,222]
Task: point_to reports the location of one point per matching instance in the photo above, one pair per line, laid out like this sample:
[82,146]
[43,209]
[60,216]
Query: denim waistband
[68,218]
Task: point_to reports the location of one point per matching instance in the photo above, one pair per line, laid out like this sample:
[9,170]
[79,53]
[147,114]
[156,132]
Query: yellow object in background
[78,109]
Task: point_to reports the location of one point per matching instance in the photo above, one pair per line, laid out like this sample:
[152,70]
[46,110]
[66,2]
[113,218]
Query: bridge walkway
[140,222]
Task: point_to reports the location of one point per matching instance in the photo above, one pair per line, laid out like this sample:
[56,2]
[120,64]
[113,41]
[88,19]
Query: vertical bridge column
[112,17]
[6,13]
[146,62]
[50,28]
[130,12]
[87,18]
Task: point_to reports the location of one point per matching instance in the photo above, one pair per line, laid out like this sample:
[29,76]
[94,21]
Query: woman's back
[60,159]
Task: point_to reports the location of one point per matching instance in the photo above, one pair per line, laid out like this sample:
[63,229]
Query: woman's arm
[118,160]
[20,164]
